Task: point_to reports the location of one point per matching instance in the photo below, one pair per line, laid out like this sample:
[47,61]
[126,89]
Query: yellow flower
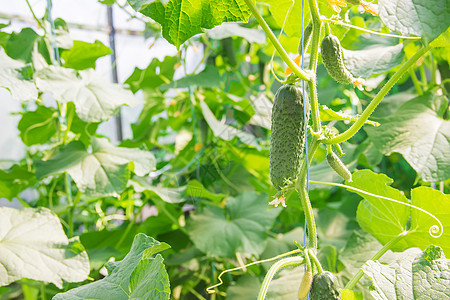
[336,3]
[369,7]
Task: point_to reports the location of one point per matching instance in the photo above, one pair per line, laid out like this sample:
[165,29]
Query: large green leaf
[37,127]
[381,218]
[242,227]
[12,79]
[102,171]
[372,61]
[385,220]
[138,276]
[95,98]
[83,55]
[419,132]
[33,245]
[431,275]
[413,275]
[427,19]
[182,19]
[14,180]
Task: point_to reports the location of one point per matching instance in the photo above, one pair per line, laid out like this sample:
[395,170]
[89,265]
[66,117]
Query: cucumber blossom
[338,166]
[325,287]
[305,285]
[287,141]
[333,59]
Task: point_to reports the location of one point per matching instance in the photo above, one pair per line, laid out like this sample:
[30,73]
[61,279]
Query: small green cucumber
[305,285]
[338,166]
[333,59]
[287,140]
[307,33]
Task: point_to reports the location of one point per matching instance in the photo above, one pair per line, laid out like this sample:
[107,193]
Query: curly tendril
[435,231]
[211,290]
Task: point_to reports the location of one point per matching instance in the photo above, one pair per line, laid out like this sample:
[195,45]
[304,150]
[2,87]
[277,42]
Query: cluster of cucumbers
[288,118]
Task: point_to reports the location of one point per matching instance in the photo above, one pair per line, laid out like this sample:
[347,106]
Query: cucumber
[338,166]
[333,59]
[307,33]
[305,285]
[325,287]
[287,141]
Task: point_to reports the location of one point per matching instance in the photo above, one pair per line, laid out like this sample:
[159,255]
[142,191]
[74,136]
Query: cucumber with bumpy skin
[333,59]
[325,287]
[338,166]
[287,141]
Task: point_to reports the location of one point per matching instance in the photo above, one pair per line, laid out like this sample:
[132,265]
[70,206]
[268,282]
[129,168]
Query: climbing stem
[351,284]
[374,103]
[283,54]
[307,208]
[285,262]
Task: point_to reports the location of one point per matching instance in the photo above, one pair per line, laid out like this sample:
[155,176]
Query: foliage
[194,173]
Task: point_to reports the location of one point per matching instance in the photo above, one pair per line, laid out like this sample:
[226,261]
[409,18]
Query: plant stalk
[285,262]
[283,54]
[374,103]
[351,284]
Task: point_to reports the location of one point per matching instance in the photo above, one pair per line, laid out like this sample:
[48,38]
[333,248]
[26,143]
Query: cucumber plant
[217,139]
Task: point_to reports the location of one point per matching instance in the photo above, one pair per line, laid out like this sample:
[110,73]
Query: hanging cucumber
[305,285]
[287,141]
[333,60]
[338,166]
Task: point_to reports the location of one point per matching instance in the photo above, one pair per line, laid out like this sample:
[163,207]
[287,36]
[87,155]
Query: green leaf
[427,19]
[431,275]
[169,195]
[245,288]
[14,180]
[367,62]
[350,295]
[33,245]
[83,55]
[20,45]
[394,280]
[279,10]
[419,232]
[413,275]
[102,171]
[443,40]
[149,78]
[420,133]
[37,127]
[196,189]
[224,131]
[182,19]
[381,218]
[95,98]
[242,227]
[135,277]
[209,77]
[384,219]
[12,79]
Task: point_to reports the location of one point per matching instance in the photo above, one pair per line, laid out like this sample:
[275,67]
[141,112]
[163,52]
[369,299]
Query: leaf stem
[377,99]
[283,54]
[307,208]
[351,284]
[415,81]
[285,262]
